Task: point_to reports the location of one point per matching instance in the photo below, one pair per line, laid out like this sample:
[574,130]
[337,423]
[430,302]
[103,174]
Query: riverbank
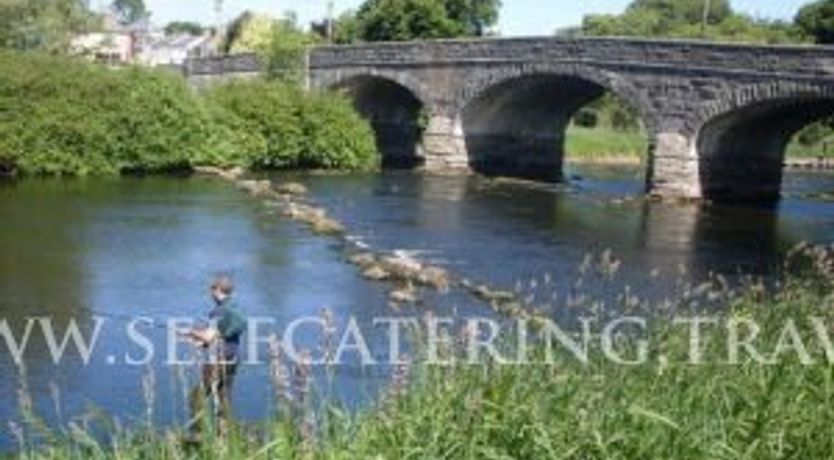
[604,146]
[655,397]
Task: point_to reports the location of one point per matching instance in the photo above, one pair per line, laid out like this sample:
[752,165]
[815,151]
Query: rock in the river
[489,295]
[434,277]
[376,273]
[291,188]
[401,267]
[327,226]
[316,218]
[513,309]
[406,295]
[228,174]
[255,187]
[304,213]
[233,173]
[363,260]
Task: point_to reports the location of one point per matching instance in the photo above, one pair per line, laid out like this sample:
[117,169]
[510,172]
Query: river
[121,248]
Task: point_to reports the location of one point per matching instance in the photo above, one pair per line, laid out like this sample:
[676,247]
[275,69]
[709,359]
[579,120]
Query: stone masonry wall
[676,86]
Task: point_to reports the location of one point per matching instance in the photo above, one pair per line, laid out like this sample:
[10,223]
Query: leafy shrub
[815,133]
[586,118]
[623,118]
[291,129]
[231,141]
[59,116]
[336,136]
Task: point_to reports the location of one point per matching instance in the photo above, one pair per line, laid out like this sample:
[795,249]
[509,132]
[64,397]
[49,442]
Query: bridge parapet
[808,61]
[221,65]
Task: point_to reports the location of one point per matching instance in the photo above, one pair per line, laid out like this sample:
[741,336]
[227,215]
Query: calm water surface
[127,247]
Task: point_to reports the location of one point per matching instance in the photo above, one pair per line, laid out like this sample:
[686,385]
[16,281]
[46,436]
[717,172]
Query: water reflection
[702,239]
[41,275]
[505,232]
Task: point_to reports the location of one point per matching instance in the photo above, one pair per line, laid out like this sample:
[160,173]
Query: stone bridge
[718,116]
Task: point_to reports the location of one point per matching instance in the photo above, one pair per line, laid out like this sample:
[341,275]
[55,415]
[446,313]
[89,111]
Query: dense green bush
[586,118]
[335,136]
[60,116]
[291,129]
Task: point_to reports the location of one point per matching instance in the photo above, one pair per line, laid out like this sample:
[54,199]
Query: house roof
[181,41]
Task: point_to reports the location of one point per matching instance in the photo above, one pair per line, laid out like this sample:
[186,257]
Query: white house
[175,49]
[111,47]
[115,43]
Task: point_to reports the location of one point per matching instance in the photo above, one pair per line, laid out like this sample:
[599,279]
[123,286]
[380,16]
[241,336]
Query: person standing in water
[222,339]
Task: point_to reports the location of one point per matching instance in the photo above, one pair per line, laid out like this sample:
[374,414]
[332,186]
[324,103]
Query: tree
[474,17]
[279,42]
[130,11]
[285,51]
[43,24]
[234,31]
[659,18]
[402,20]
[184,27]
[684,19]
[817,20]
[684,11]
[641,24]
[346,28]
[250,33]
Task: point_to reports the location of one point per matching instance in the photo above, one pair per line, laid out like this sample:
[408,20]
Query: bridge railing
[810,60]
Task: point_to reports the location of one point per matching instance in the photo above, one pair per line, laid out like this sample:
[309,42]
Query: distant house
[112,48]
[115,43]
[176,49]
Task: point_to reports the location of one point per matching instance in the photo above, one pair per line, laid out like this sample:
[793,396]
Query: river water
[121,248]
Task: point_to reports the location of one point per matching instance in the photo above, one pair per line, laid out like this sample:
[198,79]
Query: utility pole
[705,22]
[330,19]
[219,24]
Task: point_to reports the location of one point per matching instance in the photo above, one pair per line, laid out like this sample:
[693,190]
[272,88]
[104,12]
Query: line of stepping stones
[406,273]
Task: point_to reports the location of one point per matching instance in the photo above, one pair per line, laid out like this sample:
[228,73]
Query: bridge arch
[742,137]
[394,104]
[514,119]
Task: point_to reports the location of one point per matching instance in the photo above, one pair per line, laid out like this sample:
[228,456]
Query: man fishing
[222,339]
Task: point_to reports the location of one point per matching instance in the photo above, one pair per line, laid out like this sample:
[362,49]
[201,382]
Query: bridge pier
[443,146]
[674,168]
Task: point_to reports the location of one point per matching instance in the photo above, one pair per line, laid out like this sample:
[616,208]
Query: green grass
[604,144]
[588,144]
[670,410]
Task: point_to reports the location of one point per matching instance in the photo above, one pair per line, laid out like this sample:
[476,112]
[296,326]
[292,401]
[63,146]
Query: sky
[518,17]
